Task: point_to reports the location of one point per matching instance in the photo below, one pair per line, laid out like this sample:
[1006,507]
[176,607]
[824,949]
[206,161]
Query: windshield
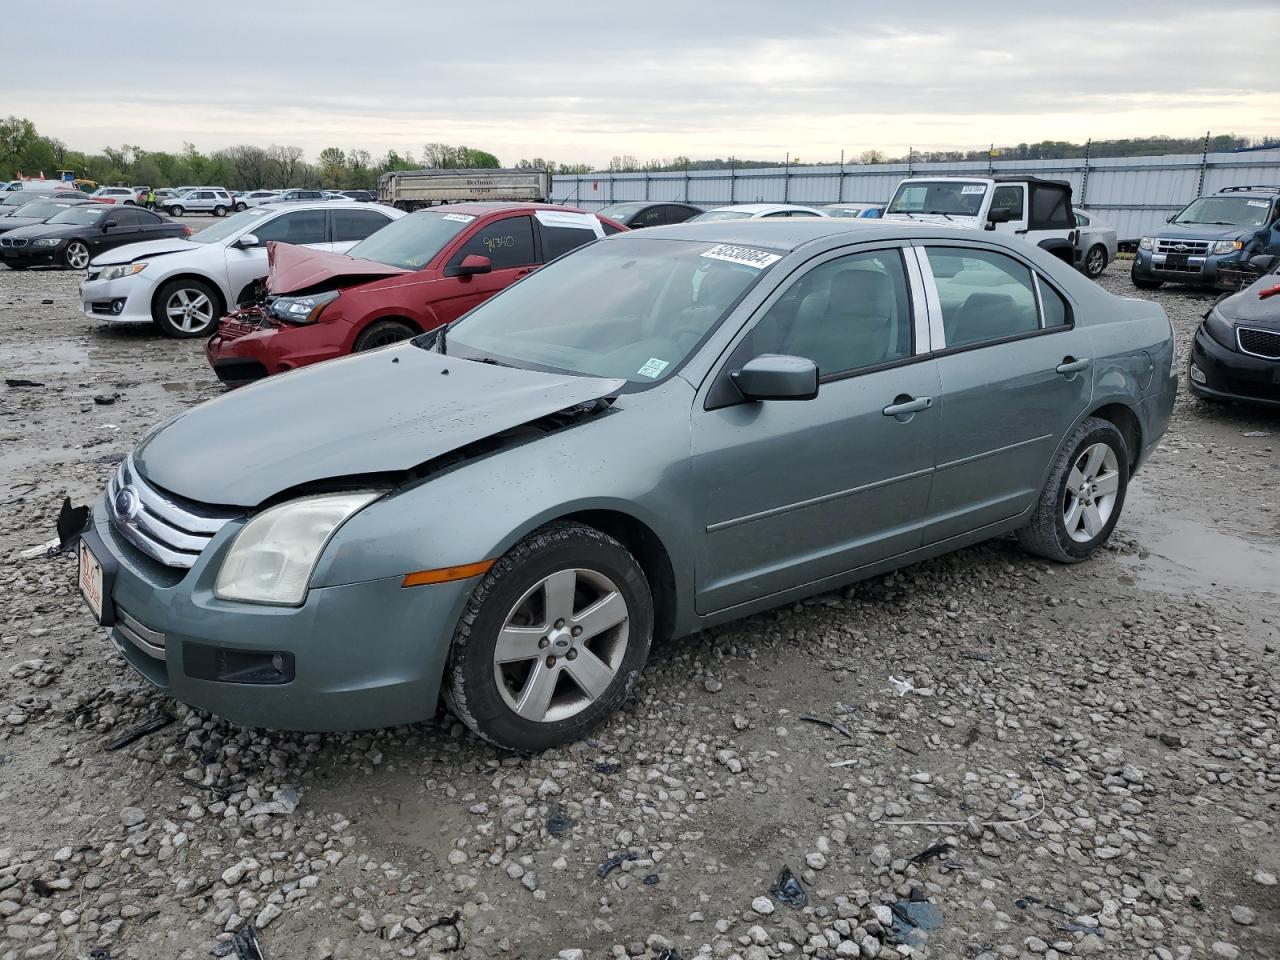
[1226,211]
[620,211]
[937,197]
[231,226]
[81,216]
[413,241]
[41,209]
[17,198]
[632,309]
[722,215]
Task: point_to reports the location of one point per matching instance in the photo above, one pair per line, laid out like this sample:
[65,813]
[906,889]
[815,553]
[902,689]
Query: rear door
[1015,375]
[794,492]
[510,246]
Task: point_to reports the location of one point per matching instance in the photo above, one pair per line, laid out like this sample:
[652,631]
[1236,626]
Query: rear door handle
[905,406]
[1070,366]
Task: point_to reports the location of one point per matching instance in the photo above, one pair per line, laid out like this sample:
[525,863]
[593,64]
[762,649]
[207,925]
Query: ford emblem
[1180,247]
[126,504]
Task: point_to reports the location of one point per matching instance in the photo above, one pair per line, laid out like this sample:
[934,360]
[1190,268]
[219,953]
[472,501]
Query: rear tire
[1095,261]
[186,308]
[575,616]
[219,211]
[1082,499]
[380,333]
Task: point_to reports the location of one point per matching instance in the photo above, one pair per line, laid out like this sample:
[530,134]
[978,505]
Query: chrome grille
[1186,248]
[13,241]
[1259,343]
[157,525]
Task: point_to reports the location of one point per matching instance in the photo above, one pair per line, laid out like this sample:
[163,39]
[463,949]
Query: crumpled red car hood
[292,268]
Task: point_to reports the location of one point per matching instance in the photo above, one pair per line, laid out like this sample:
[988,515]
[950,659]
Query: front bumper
[1229,375]
[30,256]
[239,354]
[126,300]
[1200,271]
[352,657]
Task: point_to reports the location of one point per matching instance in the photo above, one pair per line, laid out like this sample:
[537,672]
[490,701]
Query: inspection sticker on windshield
[459,217]
[973,188]
[732,253]
[653,367]
[1256,203]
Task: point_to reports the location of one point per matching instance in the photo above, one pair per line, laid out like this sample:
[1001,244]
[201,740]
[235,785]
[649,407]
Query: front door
[792,492]
[303,228]
[1011,198]
[508,243]
[1015,373]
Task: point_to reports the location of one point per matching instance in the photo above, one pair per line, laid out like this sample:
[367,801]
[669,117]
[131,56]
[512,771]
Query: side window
[1081,220]
[677,214]
[648,218]
[609,228]
[1055,309]
[349,225]
[147,219]
[301,226]
[558,240]
[507,243]
[985,295]
[802,213]
[1008,198]
[845,314]
[777,213]
[1049,209]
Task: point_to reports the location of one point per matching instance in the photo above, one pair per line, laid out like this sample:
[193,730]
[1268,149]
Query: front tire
[241,208]
[76,256]
[1082,499]
[552,639]
[177,211]
[186,308]
[380,333]
[1142,283]
[1095,261]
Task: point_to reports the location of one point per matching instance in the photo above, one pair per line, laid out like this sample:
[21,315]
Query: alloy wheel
[189,310]
[561,645]
[77,255]
[1096,262]
[1090,497]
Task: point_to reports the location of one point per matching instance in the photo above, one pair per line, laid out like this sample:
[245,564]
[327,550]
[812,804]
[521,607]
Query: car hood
[148,248]
[54,231]
[1247,307]
[934,219]
[13,223]
[1204,231]
[297,268]
[384,411]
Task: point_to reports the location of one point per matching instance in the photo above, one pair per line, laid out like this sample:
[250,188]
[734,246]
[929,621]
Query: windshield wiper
[440,339]
[939,213]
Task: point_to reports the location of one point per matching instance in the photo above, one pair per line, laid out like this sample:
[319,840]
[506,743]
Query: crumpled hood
[383,411]
[147,248]
[1203,231]
[298,268]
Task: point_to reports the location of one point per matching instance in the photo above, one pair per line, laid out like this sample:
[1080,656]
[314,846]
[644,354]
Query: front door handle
[1071,366]
[905,405]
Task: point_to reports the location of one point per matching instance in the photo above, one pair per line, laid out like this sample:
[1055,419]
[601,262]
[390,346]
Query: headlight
[1227,246]
[45,243]
[1147,243]
[124,270]
[273,556]
[1220,328]
[303,309]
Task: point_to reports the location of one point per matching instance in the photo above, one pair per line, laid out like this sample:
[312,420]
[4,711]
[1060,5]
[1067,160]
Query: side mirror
[774,376]
[108,225]
[999,215]
[472,264]
[1263,262]
[247,241]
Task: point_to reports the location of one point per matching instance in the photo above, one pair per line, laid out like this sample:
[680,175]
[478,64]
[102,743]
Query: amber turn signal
[446,574]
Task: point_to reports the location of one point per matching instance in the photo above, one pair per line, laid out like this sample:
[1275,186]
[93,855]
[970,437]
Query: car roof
[480,208]
[791,233]
[761,207]
[311,205]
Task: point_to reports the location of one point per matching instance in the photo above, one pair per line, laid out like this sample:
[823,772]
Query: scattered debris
[454,920]
[903,687]
[833,724]
[71,523]
[47,549]
[852,761]
[614,862]
[558,821]
[910,917]
[974,655]
[99,953]
[934,850]
[650,879]
[22,383]
[106,399]
[607,768]
[788,890]
[42,889]
[138,732]
[244,943]
[670,953]
[1256,434]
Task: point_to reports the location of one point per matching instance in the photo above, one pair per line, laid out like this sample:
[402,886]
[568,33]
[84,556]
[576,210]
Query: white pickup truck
[411,190]
[1037,210]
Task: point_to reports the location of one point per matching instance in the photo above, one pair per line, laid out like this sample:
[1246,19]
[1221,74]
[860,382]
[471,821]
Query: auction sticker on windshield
[973,188]
[91,580]
[459,217]
[746,256]
[653,367]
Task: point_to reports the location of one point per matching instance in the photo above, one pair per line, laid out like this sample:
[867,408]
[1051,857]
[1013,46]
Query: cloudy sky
[581,82]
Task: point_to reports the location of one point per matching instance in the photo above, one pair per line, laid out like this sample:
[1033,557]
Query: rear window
[559,240]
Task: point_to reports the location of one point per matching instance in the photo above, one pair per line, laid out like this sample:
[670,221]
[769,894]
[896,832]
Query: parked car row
[575,455]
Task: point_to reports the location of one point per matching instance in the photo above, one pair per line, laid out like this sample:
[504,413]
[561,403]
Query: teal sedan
[655,433]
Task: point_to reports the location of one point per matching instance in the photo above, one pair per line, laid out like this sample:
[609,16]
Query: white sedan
[254,198]
[757,211]
[184,286]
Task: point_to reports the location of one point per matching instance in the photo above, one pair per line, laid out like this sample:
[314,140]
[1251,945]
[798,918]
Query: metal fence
[1134,194]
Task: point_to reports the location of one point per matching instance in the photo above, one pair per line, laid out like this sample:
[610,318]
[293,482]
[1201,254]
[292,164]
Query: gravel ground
[1087,761]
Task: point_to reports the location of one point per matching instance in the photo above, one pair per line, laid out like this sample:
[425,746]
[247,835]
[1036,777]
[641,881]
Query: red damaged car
[411,276]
